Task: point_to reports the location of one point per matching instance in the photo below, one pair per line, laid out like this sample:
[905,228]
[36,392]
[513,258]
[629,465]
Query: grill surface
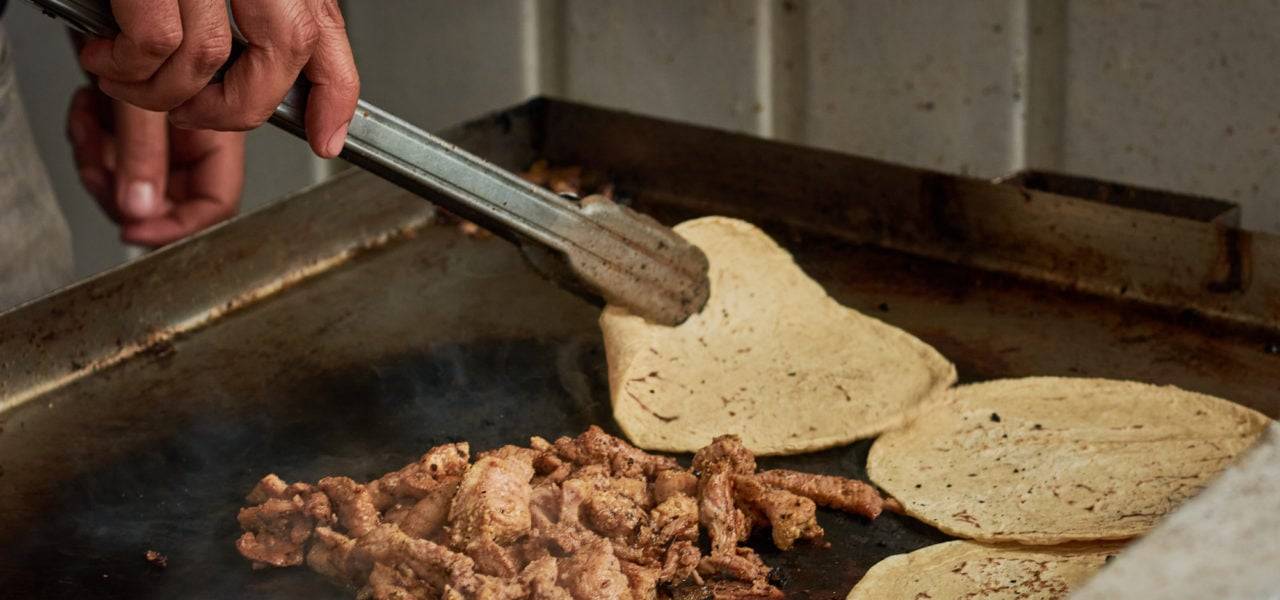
[142,406]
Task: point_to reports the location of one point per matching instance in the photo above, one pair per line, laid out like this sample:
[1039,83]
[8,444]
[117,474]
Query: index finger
[281,36]
[150,31]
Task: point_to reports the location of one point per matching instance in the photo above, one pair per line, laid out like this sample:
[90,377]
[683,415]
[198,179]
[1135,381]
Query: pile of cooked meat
[590,517]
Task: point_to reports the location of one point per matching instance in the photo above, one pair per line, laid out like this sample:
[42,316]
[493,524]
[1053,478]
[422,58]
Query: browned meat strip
[674,481]
[588,518]
[354,503]
[595,447]
[681,564]
[791,517]
[849,495]
[436,565]
[492,501]
[330,555]
[594,573]
[725,524]
[725,453]
[741,564]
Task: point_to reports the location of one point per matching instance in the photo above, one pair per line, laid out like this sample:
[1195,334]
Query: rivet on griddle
[1272,348]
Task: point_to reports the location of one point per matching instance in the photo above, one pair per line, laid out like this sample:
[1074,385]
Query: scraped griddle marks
[581,518]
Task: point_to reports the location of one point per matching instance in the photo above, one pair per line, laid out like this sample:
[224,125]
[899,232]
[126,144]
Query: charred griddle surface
[180,497]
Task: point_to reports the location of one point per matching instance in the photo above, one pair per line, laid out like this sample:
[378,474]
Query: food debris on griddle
[585,517]
[156,559]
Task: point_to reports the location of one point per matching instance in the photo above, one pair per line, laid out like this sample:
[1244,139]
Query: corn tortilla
[1045,460]
[771,358]
[964,569]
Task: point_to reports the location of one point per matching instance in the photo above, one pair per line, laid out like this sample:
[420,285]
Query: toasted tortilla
[771,358]
[1045,460]
[963,569]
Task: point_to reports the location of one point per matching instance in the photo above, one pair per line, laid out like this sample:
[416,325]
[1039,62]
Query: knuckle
[160,42]
[211,52]
[303,36]
[331,13]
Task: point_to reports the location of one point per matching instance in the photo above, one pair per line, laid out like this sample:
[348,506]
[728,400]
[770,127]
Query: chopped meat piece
[274,532]
[544,505]
[270,486]
[437,565]
[539,578]
[741,564]
[492,501]
[674,481]
[674,519]
[791,517]
[492,559]
[157,559]
[551,468]
[681,564]
[849,495]
[355,508]
[725,524]
[330,555]
[642,579]
[612,515]
[442,464]
[725,453]
[516,452]
[595,447]
[430,513]
[396,583]
[587,518]
[594,573]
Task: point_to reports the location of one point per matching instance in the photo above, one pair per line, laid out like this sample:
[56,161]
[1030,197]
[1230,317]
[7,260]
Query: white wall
[1177,94]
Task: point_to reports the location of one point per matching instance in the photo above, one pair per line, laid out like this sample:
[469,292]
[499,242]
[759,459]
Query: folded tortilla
[771,358]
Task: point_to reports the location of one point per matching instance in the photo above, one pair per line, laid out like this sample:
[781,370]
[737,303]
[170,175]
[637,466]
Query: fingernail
[140,199]
[336,141]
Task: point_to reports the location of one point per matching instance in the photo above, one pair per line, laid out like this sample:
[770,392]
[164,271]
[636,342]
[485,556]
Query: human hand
[160,183]
[168,50]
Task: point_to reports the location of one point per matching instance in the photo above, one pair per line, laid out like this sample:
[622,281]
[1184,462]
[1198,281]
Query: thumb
[142,161]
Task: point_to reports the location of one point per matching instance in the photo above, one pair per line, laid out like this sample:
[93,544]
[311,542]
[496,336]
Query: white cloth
[35,244]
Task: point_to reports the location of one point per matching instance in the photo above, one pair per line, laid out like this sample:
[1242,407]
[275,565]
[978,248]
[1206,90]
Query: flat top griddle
[342,332]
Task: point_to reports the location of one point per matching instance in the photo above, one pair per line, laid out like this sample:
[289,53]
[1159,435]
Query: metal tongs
[593,247]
